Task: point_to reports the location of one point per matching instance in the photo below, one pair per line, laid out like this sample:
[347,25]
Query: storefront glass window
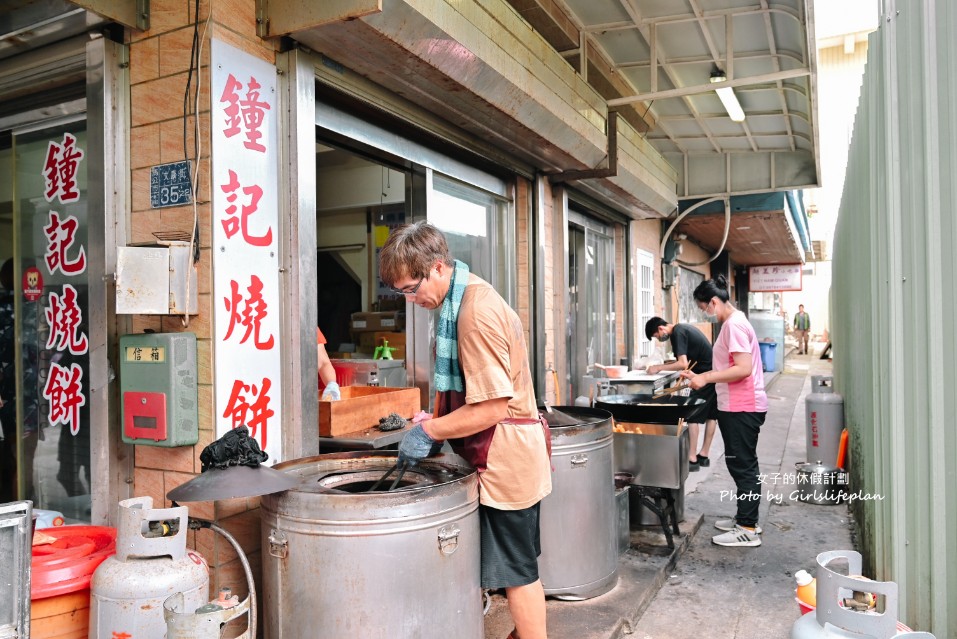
[591,295]
[51,327]
[478,229]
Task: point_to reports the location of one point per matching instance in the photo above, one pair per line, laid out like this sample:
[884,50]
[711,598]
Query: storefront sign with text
[775,277]
[245,132]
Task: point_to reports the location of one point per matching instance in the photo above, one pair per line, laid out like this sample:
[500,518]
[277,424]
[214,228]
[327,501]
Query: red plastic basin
[67,564]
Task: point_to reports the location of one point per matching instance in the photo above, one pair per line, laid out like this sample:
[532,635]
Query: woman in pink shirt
[742,406]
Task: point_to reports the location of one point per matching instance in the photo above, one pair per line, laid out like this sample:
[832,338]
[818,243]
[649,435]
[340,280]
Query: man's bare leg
[527,605]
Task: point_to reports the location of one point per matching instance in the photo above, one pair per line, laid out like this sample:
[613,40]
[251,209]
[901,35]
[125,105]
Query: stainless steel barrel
[579,519]
[339,561]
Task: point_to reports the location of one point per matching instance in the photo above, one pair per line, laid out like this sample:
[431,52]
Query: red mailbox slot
[144,415]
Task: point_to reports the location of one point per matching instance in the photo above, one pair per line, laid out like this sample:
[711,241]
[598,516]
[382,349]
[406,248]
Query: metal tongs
[389,472]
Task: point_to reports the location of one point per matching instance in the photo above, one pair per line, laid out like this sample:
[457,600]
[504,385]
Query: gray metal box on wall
[159,396]
[151,280]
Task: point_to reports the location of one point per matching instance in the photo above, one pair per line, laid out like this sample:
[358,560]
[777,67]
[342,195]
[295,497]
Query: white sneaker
[729,524]
[737,537]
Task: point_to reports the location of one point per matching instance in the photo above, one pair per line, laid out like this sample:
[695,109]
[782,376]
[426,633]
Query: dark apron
[474,448]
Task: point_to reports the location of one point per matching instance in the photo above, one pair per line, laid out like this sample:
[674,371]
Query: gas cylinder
[207,621]
[824,416]
[151,564]
[831,620]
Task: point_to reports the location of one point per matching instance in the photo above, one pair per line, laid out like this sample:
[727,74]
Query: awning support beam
[705,88]
[134,14]
[611,170]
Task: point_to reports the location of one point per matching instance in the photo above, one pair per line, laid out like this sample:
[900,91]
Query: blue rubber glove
[415,446]
[331,392]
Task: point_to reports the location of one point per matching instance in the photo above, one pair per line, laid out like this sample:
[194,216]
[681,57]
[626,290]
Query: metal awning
[764,229]
[26,25]
[662,61]
[661,55]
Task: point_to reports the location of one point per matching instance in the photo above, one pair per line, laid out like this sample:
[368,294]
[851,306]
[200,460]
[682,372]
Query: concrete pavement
[701,589]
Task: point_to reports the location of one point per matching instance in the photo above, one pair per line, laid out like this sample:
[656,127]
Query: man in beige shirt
[485,406]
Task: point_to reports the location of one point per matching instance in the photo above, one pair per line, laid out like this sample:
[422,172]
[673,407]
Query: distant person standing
[802,328]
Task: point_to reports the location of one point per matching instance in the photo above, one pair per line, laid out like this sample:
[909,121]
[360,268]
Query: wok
[642,409]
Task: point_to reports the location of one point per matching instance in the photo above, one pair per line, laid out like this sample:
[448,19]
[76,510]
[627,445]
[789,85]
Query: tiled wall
[159,66]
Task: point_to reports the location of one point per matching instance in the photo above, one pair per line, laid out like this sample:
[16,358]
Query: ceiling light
[743,228]
[727,96]
[755,241]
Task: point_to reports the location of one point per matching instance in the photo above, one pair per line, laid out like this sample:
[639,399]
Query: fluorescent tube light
[728,98]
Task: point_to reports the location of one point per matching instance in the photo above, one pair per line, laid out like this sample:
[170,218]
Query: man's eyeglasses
[409,291]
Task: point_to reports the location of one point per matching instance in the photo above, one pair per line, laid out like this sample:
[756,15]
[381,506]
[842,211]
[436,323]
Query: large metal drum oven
[339,561]
[579,518]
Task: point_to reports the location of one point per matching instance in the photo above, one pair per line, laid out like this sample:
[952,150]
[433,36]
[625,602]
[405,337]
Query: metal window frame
[590,225]
[108,142]
[306,116]
[297,209]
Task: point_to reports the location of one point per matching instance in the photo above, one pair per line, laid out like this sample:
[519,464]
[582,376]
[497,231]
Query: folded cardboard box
[381,321]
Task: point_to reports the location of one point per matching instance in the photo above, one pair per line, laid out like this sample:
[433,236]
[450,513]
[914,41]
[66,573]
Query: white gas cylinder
[151,564]
[831,620]
[205,622]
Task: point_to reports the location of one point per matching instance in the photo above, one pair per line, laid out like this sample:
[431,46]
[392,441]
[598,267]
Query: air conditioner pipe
[724,240]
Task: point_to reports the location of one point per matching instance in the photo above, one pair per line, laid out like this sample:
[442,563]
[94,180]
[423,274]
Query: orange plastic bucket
[60,581]
[61,617]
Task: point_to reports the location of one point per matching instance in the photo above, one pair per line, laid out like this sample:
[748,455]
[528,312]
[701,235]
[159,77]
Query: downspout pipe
[587,174]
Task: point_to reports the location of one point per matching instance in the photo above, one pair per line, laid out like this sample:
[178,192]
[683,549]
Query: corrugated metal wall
[894,305]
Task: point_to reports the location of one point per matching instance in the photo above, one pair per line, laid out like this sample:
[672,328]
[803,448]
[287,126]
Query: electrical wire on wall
[195,65]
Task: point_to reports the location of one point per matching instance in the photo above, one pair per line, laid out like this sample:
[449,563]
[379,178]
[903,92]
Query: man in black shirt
[689,345]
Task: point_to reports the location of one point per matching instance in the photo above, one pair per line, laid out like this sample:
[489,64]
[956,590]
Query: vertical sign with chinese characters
[65,258]
[245,241]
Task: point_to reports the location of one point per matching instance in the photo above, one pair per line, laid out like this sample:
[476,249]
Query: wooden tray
[362,406]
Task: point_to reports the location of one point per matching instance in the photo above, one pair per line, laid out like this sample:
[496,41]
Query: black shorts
[511,545]
[710,408]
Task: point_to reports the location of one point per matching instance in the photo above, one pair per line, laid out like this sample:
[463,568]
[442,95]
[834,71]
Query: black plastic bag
[235,448]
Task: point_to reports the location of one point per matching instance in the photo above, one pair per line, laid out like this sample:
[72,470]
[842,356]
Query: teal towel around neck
[448,375]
